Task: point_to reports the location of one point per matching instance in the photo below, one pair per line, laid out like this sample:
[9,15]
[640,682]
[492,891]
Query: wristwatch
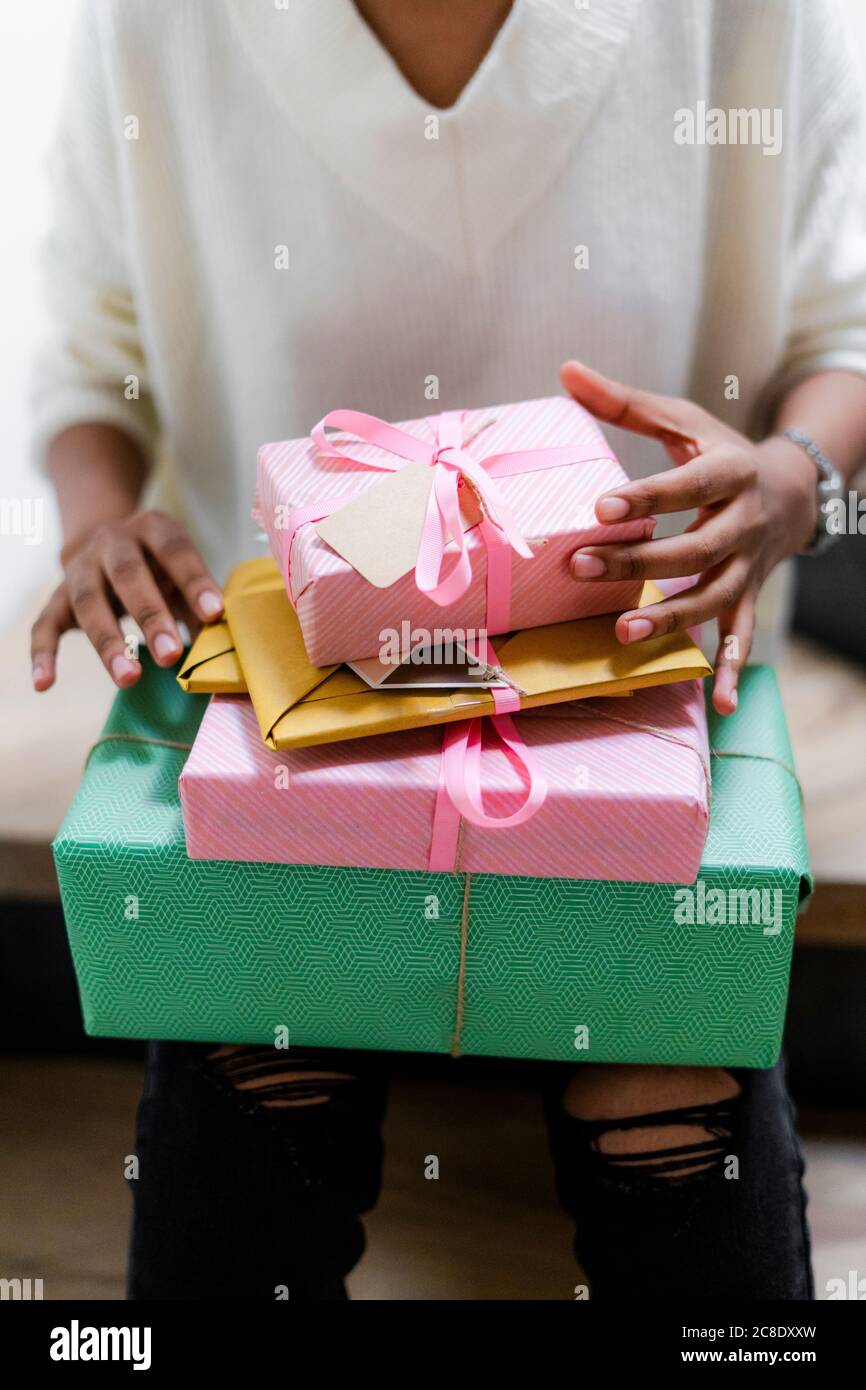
[830,489]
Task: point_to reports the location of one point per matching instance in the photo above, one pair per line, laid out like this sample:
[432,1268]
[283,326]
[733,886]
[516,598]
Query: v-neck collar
[494,152]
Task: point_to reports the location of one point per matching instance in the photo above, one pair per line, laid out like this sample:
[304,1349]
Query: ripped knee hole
[634,1126]
[277,1081]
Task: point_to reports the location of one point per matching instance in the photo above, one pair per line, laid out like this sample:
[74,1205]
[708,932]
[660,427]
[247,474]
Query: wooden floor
[489,1228]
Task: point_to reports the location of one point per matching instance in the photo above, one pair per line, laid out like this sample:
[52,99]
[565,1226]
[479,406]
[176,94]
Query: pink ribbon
[459,793]
[451,463]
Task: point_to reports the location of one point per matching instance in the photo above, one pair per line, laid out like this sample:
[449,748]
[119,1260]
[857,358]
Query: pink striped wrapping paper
[342,615]
[622,804]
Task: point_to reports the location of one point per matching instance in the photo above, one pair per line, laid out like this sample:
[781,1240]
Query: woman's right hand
[145,565]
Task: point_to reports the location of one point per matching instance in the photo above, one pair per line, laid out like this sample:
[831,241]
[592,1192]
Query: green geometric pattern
[167,947]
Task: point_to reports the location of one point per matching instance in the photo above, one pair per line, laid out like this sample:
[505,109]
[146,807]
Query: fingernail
[210,604]
[39,673]
[165,646]
[639,628]
[587,566]
[734,697]
[121,667]
[612,508]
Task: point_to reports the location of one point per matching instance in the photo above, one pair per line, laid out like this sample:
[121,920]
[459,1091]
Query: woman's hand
[756,505]
[144,564]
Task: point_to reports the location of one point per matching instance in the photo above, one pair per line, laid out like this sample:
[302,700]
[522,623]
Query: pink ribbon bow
[451,462]
[460,783]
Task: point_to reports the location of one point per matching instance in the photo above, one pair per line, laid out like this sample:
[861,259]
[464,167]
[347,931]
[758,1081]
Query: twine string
[461,972]
[762,758]
[585,707]
[138,738]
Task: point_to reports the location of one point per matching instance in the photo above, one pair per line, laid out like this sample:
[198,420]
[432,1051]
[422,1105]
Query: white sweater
[255,222]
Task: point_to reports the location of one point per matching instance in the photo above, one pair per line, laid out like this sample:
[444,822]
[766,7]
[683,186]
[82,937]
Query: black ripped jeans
[254,1173]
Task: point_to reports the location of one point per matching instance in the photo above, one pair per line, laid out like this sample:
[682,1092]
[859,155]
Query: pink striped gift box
[627,794]
[343,616]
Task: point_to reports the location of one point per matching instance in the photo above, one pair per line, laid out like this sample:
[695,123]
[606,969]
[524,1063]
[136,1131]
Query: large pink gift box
[623,802]
[343,615]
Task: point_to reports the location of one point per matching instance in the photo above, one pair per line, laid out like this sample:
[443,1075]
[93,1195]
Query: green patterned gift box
[568,969]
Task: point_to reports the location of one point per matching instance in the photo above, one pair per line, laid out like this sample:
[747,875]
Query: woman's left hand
[756,505]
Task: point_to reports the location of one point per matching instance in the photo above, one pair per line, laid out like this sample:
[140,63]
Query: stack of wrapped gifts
[413,794]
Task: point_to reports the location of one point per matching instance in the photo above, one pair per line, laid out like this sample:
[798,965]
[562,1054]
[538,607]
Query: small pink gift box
[536,469]
[627,790]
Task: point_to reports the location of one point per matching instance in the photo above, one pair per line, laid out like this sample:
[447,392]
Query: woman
[267,211]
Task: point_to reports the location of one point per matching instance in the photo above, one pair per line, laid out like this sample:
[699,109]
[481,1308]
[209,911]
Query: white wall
[32,44]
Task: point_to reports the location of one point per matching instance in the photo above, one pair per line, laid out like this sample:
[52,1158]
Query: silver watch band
[830,487]
[818,457]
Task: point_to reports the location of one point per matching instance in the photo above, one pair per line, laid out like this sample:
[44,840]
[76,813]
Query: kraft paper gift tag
[379,531]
